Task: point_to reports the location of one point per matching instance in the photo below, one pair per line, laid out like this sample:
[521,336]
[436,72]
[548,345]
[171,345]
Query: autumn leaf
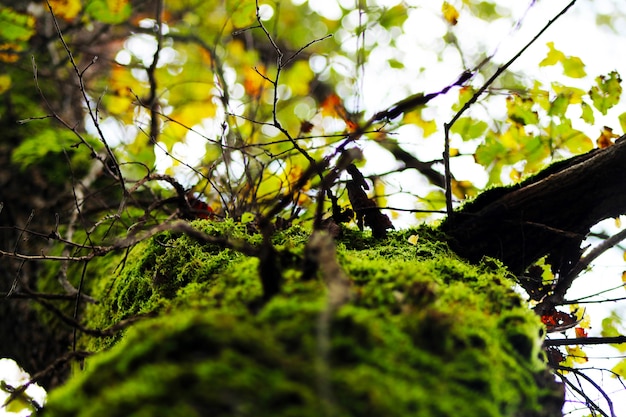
[580,332]
[606,138]
[333,106]
[306,126]
[66,9]
[463,189]
[253,81]
[450,13]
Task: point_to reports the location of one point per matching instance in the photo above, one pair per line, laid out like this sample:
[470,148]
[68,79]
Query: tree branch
[586,341]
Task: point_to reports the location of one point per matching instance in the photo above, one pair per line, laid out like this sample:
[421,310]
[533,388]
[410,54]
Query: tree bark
[548,214]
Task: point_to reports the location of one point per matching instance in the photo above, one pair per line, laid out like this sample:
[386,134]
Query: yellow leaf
[116,6]
[619,369]
[379,193]
[415,117]
[450,13]
[577,354]
[618,222]
[413,239]
[515,175]
[624,273]
[5,83]
[554,56]
[66,9]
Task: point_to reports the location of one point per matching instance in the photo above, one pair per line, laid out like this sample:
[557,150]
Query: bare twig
[565,282]
[153,101]
[472,100]
[117,174]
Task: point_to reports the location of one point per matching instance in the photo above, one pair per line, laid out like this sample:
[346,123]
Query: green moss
[426,334]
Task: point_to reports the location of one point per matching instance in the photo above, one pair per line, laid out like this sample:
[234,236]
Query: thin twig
[595,385]
[565,282]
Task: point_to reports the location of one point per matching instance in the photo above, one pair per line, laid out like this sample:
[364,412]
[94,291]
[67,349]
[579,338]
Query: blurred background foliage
[235,100]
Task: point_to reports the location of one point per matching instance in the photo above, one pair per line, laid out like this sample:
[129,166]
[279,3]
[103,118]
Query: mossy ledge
[425,334]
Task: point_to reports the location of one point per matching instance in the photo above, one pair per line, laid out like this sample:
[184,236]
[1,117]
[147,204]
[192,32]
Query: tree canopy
[126,119]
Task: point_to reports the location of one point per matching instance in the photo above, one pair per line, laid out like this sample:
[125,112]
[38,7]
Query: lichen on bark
[424,334]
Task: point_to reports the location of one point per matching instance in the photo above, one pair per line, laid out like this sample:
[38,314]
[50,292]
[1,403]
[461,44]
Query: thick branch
[586,341]
[548,214]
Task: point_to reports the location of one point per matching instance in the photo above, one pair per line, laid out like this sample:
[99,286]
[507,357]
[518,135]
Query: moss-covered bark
[425,334]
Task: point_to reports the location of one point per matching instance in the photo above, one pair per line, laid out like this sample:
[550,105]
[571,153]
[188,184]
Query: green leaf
[607,91]
[485,10]
[577,142]
[572,65]
[622,121]
[564,135]
[575,95]
[587,113]
[247,217]
[14,26]
[469,128]
[109,12]
[559,105]
[394,16]
[242,13]
[394,63]
[612,327]
[434,200]
[520,110]
[37,148]
[536,150]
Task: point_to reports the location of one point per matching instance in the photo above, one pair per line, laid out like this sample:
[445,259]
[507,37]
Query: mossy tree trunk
[444,311]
